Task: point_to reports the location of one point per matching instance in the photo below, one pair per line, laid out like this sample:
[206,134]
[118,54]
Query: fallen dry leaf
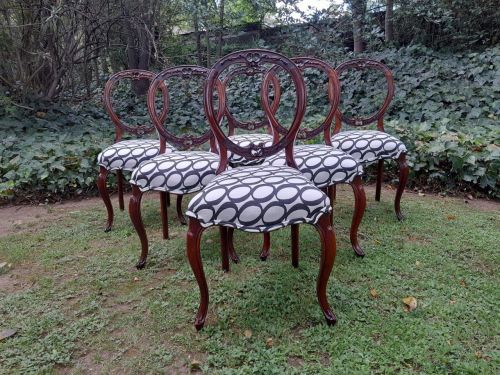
[373,293]
[452,302]
[462,282]
[418,264]
[6,333]
[269,342]
[136,278]
[247,333]
[421,194]
[411,303]
[451,217]
[479,355]
[195,365]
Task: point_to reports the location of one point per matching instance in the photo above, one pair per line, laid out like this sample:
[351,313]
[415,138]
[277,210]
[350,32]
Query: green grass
[81,307]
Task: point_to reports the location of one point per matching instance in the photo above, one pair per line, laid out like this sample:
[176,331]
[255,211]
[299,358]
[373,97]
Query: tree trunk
[389,27]
[197,32]
[358,16]
[221,28]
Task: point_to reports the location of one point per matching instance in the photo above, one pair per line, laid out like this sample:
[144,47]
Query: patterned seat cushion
[368,145]
[245,140]
[321,164]
[259,199]
[127,155]
[180,172]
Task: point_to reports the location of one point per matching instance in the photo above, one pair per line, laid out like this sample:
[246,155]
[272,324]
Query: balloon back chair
[368,146]
[258,198]
[321,163]
[233,123]
[180,172]
[126,155]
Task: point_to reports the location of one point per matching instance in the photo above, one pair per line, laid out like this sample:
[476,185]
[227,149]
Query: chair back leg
[359,211]
[380,177]
[403,178]
[103,192]
[119,177]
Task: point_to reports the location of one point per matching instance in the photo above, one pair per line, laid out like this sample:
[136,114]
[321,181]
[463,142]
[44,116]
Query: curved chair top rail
[183,72]
[304,62]
[252,124]
[255,59]
[120,125]
[360,64]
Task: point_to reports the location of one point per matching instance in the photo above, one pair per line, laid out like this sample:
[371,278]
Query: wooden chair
[325,166]
[180,172]
[258,198]
[369,146]
[126,155]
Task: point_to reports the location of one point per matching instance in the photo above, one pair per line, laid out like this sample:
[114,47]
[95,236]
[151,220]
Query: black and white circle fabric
[180,172]
[368,145]
[259,199]
[245,140]
[127,155]
[321,164]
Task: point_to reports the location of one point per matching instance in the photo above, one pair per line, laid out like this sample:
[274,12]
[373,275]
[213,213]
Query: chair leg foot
[103,192]
[295,244]
[230,246]
[380,177]
[328,252]
[403,178]
[266,246]
[194,256]
[134,209]
[359,211]
[180,215]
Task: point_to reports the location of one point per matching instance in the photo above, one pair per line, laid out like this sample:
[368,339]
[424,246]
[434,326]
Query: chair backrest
[361,64]
[121,126]
[333,96]
[250,125]
[255,59]
[181,72]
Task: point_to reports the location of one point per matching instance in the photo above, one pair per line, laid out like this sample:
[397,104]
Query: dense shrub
[446,110]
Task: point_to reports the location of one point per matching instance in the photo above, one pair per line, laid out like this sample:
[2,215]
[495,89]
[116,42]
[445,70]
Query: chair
[321,163]
[368,146]
[246,139]
[258,198]
[125,155]
[180,172]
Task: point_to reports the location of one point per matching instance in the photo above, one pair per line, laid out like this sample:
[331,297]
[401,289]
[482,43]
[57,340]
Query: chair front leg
[266,246]
[194,256]
[403,178]
[103,192]
[380,177]
[359,211]
[328,252]
[180,215]
[134,210]
[119,177]
[164,213]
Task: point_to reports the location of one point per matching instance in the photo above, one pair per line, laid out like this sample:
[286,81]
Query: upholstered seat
[259,199]
[321,164]
[180,172]
[245,140]
[368,146]
[127,155]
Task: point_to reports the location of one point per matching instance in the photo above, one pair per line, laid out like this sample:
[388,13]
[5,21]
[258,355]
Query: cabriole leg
[194,256]
[164,213]
[230,246]
[119,177]
[359,211]
[266,246]
[103,192]
[180,215]
[134,210]
[403,178]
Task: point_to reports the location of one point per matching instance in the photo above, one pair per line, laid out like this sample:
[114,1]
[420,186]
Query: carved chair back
[361,64]
[181,72]
[121,126]
[250,125]
[255,59]
[333,97]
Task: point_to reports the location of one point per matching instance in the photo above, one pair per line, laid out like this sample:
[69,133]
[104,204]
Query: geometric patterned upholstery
[180,172]
[368,145]
[259,199]
[127,155]
[321,164]
[245,140]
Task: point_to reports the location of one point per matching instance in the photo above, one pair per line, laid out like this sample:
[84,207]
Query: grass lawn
[79,305]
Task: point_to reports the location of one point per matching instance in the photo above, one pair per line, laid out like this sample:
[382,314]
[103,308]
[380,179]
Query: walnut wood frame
[253,59]
[120,128]
[377,117]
